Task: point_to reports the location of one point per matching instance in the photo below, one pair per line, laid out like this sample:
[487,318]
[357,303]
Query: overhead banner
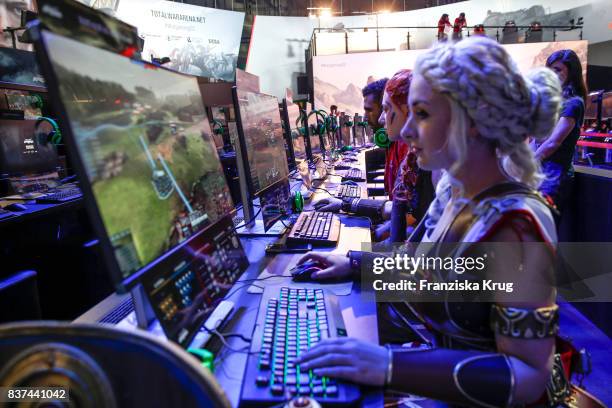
[338,79]
[198,40]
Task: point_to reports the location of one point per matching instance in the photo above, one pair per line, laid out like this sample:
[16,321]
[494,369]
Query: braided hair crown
[506,106]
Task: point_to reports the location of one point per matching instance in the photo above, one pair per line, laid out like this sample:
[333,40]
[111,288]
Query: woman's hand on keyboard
[328,204]
[332,266]
[348,359]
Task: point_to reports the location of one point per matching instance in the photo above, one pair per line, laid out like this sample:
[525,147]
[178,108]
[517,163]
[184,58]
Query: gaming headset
[300,120]
[218,127]
[297,201]
[321,127]
[54,137]
[381,139]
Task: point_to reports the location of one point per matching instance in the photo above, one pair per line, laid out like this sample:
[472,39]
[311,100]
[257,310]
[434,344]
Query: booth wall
[277,43]
[338,79]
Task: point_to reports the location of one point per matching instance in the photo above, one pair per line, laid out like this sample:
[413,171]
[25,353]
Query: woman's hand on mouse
[329,204]
[332,266]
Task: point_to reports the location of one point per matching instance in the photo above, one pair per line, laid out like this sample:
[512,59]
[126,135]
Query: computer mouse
[303,272]
[17,207]
[319,204]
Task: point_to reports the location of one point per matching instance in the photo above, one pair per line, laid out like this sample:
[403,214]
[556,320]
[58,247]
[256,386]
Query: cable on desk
[227,346]
[322,189]
[246,222]
[249,282]
[283,222]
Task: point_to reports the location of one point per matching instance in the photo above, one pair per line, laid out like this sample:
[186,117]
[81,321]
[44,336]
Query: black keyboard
[6,214]
[290,322]
[316,228]
[60,196]
[348,191]
[119,313]
[353,174]
[342,166]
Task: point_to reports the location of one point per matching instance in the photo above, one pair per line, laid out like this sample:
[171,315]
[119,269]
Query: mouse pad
[280,266]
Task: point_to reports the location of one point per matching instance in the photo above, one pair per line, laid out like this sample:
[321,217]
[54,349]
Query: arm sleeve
[573,108]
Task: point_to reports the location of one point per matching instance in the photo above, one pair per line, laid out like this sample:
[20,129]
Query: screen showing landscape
[263,133]
[146,145]
[299,148]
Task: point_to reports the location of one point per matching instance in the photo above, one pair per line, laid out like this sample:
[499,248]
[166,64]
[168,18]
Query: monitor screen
[25,148]
[345,131]
[144,143]
[263,137]
[315,140]
[360,135]
[299,148]
[186,286]
[19,67]
[275,203]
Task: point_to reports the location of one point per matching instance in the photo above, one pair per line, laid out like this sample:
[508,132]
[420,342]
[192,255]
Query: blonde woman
[471,112]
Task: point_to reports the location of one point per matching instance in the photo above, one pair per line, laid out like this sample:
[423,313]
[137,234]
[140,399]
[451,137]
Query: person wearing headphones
[413,186]
[373,95]
[493,351]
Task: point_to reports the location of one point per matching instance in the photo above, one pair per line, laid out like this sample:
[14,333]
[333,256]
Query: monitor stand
[142,307]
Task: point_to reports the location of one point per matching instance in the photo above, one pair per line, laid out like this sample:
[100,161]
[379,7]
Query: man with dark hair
[372,102]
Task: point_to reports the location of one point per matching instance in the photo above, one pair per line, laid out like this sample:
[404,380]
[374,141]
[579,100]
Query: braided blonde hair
[483,83]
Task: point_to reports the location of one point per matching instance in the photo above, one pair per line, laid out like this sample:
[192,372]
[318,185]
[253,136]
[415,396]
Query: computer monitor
[142,143]
[19,67]
[28,160]
[261,135]
[314,139]
[185,287]
[287,133]
[275,203]
[293,133]
[359,130]
[297,137]
[262,161]
[345,131]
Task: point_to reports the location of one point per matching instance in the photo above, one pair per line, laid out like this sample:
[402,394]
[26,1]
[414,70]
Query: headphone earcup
[381,139]
[298,202]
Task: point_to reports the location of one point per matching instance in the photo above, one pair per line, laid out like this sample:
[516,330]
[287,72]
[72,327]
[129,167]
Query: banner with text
[198,40]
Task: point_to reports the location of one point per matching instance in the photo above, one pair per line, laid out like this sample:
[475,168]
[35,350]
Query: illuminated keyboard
[353,174]
[289,322]
[316,228]
[348,191]
[61,196]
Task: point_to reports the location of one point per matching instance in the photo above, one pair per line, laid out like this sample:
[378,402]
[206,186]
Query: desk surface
[359,313]
[35,210]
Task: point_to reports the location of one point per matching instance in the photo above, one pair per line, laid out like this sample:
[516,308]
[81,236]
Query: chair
[103,366]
